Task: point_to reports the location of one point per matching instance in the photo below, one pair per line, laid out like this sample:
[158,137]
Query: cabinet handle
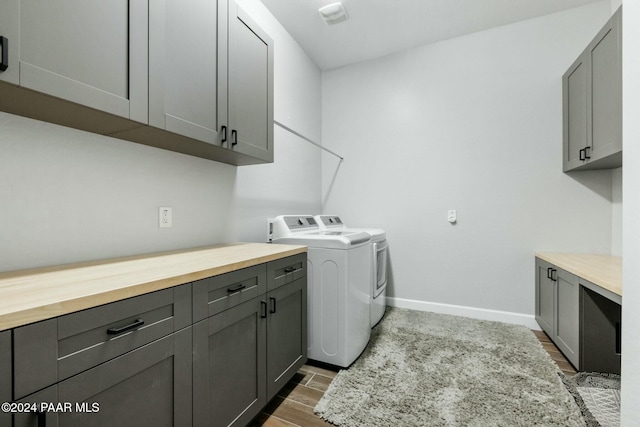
[554,278]
[618,338]
[289,269]
[223,129]
[549,272]
[234,137]
[4,61]
[136,324]
[582,154]
[586,153]
[263,309]
[273,305]
[236,288]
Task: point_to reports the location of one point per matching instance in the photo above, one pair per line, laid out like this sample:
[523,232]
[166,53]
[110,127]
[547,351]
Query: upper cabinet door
[183,68]
[250,86]
[606,89]
[9,30]
[592,103]
[574,87]
[92,52]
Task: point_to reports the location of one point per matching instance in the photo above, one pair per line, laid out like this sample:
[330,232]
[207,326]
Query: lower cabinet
[149,386]
[545,297]
[557,308]
[6,376]
[568,318]
[152,361]
[286,334]
[581,318]
[245,354]
[228,366]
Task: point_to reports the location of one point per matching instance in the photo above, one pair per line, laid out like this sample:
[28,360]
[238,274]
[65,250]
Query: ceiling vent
[333,13]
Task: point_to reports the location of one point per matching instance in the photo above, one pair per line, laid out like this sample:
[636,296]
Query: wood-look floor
[293,406]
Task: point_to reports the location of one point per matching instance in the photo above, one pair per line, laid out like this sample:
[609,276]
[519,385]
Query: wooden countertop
[602,270]
[29,296]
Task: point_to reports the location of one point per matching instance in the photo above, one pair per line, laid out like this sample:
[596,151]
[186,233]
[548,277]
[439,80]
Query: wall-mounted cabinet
[194,77]
[592,103]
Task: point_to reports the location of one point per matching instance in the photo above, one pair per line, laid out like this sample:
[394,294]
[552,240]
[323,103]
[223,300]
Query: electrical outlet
[165,216]
[452,216]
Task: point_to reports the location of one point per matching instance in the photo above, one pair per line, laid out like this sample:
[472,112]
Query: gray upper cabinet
[250,86]
[194,76]
[183,68]
[211,77]
[575,114]
[9,31]
[592,103]
[94,54]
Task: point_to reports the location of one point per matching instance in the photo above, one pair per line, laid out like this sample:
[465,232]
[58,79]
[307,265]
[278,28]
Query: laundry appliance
[377,261]
[338,291]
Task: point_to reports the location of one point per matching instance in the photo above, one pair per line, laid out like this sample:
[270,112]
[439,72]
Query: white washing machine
[338,293]
[377,262]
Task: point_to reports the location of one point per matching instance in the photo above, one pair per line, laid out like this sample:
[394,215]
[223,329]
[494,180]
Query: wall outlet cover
[165,216]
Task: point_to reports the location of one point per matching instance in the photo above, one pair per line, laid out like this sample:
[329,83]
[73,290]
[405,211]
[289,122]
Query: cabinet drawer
[149,386]
[55,349]
[216,294]
[286,270]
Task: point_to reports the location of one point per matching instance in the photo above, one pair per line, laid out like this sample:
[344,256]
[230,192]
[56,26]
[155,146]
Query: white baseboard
[527,320]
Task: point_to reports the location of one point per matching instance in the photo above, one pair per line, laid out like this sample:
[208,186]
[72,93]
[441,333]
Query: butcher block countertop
[29,296]
[602,270]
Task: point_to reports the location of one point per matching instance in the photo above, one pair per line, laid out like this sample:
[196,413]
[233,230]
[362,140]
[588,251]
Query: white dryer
[377,262]
[338,291]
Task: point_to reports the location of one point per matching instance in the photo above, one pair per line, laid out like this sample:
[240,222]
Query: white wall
[631,216]
[69,196]
[293,183]
[473,124]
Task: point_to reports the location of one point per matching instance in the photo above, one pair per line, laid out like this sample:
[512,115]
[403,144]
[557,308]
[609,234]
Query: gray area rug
[597,396]
[426,369]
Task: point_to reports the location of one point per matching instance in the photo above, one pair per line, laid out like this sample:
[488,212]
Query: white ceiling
[380,27]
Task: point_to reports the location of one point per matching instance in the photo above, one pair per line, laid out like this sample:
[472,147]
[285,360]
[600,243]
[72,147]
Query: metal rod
[285,127]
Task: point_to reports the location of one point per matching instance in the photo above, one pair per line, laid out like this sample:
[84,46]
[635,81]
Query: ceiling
[380,27]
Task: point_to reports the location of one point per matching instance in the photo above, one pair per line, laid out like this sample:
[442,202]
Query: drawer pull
[134,325]
[236,288]
[289,269]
